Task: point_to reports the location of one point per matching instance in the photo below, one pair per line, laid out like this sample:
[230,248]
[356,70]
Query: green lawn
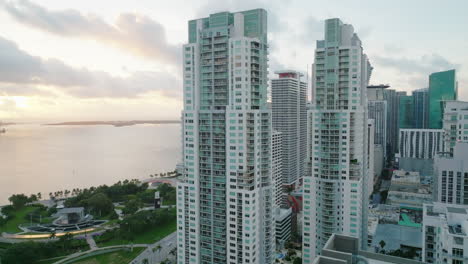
[111,222]
[4,245]
[12,225]
[116,257]
[169,202]
[50,261]
[152,236]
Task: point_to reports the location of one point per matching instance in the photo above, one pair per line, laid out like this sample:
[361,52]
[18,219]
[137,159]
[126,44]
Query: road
[167,244]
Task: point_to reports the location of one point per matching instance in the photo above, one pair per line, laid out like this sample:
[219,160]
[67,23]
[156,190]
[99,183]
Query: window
[457,252]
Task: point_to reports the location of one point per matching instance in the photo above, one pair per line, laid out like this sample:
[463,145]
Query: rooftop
[454,218]
[71,210]
[378,86]
[341,249]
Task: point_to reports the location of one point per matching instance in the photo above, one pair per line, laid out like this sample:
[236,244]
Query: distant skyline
[121,59]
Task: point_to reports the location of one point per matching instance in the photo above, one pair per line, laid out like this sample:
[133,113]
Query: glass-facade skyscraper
[442,87]
[420,106]
[225,200]
[390,96]
[406,116]
[335,198]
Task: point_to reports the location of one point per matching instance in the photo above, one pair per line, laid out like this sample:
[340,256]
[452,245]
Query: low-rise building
[283,219]
[445,232]
[341,249]
[406,190]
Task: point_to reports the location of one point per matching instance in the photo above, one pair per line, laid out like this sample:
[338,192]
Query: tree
[297,260]
[65,240]
[18,200]
[20,253]
[113,215]
[100,204]
[39,196]
[32,198]
[52,235]
[382,245]
[132,206]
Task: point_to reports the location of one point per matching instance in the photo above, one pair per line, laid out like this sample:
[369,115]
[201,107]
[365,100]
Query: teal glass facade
[420,106]
[442,87]
[406,115]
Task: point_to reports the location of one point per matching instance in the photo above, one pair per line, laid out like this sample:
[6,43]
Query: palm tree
[156,248]
[52,235]
[39,196]
[382,245]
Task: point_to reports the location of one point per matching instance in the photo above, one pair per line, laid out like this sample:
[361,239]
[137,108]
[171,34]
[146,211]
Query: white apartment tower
[451,176]
[226,198]
[455,124]
[445,233]
[289,96]
[277,168]
[336,184]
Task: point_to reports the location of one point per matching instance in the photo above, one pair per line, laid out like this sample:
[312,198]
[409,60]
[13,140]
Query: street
[167,244]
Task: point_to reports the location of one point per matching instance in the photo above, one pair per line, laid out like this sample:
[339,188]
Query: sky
[121,60]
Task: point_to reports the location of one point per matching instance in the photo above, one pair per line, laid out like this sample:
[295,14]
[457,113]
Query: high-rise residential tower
[289,96]
[277,168]
[442,87]
[455,124]
[226,197]
[445,233]
[336,183]
[451,176]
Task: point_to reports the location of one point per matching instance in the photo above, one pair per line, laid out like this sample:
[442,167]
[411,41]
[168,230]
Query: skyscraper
[406,107]
[277,168]
[335,187]
[445,233]
[226,197]
[377,110]
[289,96]
[451,176]
[442,87]
[455,124]
[391,98]
[418,148]
[420,106]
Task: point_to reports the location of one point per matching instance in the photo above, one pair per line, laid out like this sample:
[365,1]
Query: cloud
[313,30]
[425,64]
[23,90]
[20,69]
[392,48]
[137,34]
[7,105]
[364,32]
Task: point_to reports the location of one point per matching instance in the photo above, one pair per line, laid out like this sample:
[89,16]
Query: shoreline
[113,123]
[172,180]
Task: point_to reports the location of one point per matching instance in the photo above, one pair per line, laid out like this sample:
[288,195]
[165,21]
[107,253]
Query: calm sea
[35,158]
